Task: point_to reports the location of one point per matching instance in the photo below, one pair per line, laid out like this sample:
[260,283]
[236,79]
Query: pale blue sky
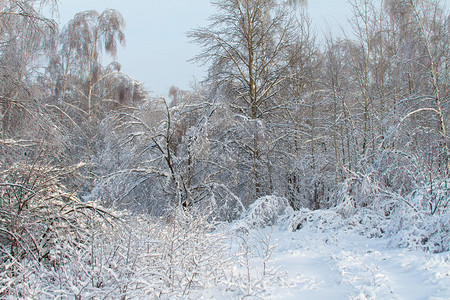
[157,49]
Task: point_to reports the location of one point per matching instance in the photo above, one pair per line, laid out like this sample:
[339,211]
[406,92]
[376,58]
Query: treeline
[284,113]
[361,121]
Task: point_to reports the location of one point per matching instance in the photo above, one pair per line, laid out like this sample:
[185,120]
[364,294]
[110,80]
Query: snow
[330,257]
[347,265]
[272,252]
[351,266]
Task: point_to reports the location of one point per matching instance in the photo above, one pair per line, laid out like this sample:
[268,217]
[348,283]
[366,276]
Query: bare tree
[247,45]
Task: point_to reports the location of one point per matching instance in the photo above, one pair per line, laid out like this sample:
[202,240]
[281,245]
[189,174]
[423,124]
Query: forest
[106,192]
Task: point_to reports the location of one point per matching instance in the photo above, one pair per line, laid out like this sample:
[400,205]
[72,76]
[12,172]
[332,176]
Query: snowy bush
[138,257]
[38,213]
[265,211]
[318,220]
[356,191]
[226,206]
[417,229]
[417,219]
[368,222]
[250,271]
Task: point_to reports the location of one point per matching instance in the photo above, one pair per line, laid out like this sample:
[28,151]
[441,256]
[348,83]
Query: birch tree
[84,39]
[27,39]
[247,45]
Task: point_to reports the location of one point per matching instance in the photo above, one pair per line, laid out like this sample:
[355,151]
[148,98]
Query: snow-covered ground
[272,252]
[307,264]
[321,255]
[348,266]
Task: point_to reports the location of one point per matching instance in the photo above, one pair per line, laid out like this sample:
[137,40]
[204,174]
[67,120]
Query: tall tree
[27,39]
[247,45]
[84,38]
[86,91]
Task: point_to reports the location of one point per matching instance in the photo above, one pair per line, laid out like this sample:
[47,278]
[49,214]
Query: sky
[157,49]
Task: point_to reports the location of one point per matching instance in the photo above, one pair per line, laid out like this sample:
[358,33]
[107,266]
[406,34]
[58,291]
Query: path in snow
[348,266]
